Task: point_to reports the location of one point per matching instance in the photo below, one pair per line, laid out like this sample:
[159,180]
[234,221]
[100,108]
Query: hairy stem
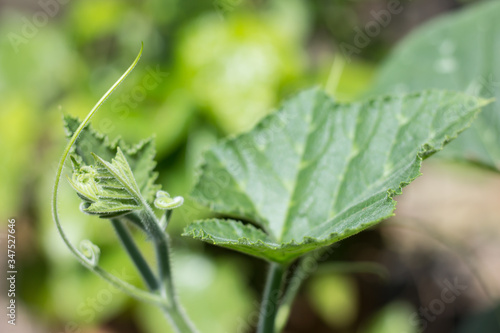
[135,219]
[135,254]
[173,311]
[91,263]
[167,300]
[270,301]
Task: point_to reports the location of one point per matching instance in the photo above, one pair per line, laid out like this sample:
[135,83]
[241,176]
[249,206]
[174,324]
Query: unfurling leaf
[164,201]
[108,189]
[317,171]
[140,157]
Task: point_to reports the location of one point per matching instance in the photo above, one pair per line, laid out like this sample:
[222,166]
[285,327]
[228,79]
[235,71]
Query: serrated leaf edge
[425,151]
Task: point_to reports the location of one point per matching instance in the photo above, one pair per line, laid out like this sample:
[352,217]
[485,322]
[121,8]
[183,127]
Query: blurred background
[211,69]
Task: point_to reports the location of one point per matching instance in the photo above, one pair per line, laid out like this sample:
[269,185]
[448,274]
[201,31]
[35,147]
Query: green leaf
[140,157]
[459,52]
[317,171]
[108,189]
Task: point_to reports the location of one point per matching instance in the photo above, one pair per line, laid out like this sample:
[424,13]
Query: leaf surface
[317,171]
[460,52]
[108,189]
[139,157]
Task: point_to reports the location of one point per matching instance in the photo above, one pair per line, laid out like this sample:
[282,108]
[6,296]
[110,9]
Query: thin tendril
[90,257]
[90,251]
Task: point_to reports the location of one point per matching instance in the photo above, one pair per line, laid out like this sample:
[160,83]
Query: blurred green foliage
[392,318]
[334,298]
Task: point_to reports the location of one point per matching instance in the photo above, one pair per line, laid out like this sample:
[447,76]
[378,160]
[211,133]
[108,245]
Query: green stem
[164,270]
[139,294]
[299,275]
[303,271]
[91,263]
[135,219]
[174,311]
[135,254]
[335,75]
[179,320]
[270,301]
[161,244]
